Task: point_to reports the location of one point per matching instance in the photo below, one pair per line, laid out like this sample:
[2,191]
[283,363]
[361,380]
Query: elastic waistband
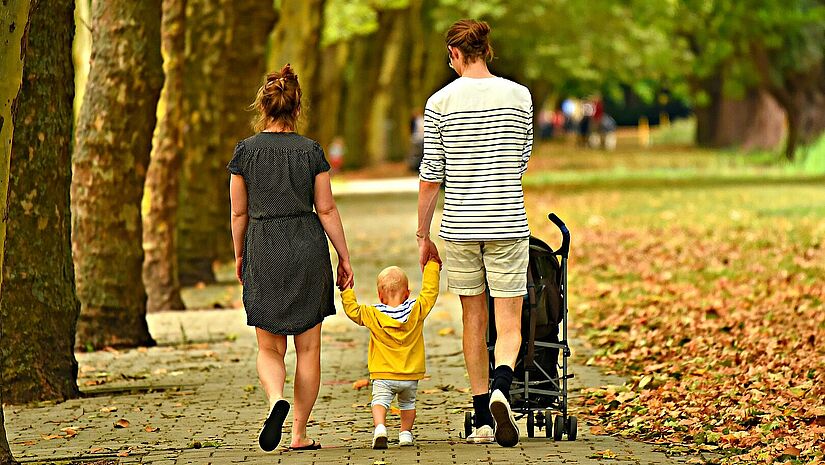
[266,219]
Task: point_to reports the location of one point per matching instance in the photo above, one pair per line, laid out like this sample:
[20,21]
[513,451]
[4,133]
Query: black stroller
[538,388]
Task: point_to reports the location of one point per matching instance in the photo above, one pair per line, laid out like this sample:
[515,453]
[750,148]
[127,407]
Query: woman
[281,252]
[478,136]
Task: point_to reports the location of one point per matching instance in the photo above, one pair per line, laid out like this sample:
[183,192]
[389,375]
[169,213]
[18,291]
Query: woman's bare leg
[271,369]
[307,382]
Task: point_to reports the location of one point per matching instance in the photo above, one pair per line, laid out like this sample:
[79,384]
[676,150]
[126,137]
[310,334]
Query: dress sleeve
[238,162]
[321,163]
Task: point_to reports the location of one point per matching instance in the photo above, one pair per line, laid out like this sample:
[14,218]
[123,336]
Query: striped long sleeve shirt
[478,135]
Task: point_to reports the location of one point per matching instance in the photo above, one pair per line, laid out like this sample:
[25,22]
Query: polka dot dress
[287,273]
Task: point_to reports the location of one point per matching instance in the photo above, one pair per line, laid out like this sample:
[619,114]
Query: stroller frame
[539,392]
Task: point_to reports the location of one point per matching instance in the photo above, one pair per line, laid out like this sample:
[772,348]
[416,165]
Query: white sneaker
[506,427]
[379,437]
[405,438]
[482,435]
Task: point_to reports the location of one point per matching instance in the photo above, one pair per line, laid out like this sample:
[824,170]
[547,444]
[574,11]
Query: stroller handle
[565,235]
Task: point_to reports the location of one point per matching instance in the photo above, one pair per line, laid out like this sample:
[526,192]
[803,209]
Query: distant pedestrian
[282,214]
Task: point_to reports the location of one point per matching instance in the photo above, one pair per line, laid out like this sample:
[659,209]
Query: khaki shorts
[500,264]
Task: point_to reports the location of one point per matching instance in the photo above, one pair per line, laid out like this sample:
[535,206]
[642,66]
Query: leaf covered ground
[703,281]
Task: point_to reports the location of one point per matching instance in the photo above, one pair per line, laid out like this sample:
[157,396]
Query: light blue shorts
[383,390]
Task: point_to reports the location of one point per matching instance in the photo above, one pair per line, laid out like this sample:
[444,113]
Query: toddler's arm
[356,312]
[429,287]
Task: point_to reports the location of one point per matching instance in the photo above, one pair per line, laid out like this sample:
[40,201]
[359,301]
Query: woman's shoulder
[279,140]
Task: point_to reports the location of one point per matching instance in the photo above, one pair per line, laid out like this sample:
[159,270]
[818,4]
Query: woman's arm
[331,221]
[239,219]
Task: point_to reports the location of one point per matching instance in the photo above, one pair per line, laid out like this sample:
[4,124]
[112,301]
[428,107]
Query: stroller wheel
[572,428]
[558,428]
[531,425]
[468,424]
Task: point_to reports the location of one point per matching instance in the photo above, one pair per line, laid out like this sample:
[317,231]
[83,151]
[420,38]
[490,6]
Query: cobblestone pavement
[195,398]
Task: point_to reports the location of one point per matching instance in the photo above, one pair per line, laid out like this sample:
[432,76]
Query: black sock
[481,405]
[502,377]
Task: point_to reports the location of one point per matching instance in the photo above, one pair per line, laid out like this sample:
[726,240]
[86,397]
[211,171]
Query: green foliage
[345,19]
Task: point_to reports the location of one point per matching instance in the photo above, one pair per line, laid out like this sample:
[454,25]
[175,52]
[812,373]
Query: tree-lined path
[195,397]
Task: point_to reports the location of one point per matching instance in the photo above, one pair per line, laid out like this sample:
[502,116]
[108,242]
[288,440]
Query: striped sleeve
[528,144]
[432,165]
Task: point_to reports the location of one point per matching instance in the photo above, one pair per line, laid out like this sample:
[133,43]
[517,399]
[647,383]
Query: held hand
[427,251]
[345,279]
[239,269]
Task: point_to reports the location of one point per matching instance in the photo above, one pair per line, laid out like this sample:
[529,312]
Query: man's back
[478,138]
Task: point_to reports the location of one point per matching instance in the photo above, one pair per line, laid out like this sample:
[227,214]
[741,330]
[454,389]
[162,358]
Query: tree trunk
[754,121]
[389,128]
[114,138]
[326,115]
[38,302]
[800,93]
[202,175]
[297,40]
[360,90]
[14,23]
[160,265]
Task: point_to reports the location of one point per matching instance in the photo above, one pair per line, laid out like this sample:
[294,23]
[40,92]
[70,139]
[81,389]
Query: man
[478,139]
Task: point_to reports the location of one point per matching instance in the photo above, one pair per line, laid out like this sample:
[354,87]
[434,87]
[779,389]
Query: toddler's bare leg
[407,419]
[379,415]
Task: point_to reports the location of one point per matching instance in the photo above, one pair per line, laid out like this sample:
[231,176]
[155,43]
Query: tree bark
[14,22]
[114,139]
[160,265]
[297,40]
[202,174]
[38,302]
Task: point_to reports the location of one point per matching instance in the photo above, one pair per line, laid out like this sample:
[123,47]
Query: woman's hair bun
[279,99]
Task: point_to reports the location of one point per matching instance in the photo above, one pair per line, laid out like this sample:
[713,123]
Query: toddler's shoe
[405,438]
[482,435]
[379,437]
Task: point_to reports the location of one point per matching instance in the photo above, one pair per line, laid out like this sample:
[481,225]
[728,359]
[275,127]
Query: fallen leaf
[122,423]
[70,432]
[151,429]
[49,437]
[360,384]
[108,409]
[597,430]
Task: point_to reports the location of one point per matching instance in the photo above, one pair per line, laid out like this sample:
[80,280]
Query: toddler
[396,350]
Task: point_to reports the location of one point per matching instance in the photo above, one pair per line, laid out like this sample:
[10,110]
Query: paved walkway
[195,398]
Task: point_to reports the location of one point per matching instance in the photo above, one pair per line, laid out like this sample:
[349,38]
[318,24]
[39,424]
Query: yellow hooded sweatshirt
[396,348]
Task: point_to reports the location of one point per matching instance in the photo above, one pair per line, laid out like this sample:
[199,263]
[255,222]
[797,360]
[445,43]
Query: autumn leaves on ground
[704,287]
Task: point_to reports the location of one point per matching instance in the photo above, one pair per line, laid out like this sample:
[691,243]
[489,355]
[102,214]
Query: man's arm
[427,198]
[431,176]
[528,144]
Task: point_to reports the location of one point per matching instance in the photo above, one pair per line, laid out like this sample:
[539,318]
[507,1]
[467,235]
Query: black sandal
[270,435]
[313,446]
